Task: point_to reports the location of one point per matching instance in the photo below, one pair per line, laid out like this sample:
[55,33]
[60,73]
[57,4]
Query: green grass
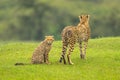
[102,62]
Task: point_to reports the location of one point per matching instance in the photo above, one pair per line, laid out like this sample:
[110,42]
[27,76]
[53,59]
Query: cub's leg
[64,49]
[46,58]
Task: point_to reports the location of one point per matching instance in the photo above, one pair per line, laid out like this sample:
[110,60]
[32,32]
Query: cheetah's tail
[17,64]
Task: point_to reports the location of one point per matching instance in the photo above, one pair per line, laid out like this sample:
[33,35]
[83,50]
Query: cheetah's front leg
[84,50]
[81,52]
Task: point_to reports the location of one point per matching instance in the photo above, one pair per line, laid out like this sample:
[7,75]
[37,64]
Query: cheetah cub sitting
[40,55]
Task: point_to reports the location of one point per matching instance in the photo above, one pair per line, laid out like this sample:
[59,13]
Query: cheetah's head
[84,19]
[49,39]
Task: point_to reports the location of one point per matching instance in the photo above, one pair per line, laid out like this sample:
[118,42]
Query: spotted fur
[40,55]
[73,34]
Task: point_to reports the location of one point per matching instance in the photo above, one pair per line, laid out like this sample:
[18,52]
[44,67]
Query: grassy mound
[102,62]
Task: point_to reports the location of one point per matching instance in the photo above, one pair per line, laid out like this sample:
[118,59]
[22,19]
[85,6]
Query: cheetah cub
[40,55]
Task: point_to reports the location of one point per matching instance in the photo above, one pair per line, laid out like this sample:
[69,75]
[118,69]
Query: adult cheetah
[73,34]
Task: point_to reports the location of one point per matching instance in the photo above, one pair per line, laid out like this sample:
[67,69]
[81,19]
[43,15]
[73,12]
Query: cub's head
[49,39]
[84,19]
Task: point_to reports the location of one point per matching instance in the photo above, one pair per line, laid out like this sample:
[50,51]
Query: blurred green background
[33,19]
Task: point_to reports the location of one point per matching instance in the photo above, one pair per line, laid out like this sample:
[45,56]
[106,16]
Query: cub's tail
[17,64]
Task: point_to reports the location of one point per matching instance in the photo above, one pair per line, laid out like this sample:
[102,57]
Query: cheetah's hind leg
[71,48]
[62,58]
[64,49]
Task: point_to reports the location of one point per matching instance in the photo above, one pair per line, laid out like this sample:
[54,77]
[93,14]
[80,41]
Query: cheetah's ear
[80,17]
[88,16]
[46,36]
[52,36]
